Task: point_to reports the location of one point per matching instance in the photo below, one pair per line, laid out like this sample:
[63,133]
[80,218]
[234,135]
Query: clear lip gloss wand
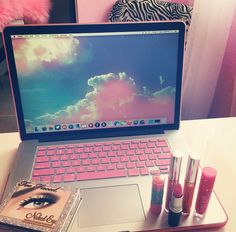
[189,183]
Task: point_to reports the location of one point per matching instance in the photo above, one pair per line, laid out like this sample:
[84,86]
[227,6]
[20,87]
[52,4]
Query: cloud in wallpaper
[115,96]
[32,55]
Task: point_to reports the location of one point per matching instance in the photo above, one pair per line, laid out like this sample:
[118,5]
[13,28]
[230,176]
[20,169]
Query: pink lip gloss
[189,183]
[173,176]
[204,192]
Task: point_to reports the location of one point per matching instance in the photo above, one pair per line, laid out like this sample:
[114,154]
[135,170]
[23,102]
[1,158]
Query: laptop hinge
[99,136]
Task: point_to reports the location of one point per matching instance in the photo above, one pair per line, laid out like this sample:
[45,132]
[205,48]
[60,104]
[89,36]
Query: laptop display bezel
[96,28]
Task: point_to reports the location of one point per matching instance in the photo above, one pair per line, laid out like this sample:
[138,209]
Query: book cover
[39,207]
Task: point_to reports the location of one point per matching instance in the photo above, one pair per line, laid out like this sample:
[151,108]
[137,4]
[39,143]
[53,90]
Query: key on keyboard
[86,161]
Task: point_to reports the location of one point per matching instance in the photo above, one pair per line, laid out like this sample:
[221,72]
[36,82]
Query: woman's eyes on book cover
[36,204]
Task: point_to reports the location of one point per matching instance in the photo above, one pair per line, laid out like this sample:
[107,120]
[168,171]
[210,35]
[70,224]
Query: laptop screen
[91,80]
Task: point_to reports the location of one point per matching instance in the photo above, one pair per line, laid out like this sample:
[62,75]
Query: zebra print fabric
[149,10]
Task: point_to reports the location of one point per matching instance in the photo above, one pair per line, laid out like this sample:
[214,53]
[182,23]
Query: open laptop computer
[100,91]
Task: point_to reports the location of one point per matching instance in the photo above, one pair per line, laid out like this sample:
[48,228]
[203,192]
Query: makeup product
[173,176]
[175,207]
[32,206]
[205,189]
[190,181]
[158,181]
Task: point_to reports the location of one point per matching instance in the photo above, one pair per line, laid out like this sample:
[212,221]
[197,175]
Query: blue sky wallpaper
[89,78]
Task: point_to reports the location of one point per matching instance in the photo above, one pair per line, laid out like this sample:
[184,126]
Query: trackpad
[110,205]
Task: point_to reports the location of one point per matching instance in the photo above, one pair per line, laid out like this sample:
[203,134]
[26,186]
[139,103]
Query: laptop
[108,92]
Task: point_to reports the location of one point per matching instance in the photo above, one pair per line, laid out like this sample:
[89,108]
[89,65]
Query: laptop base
[128,212]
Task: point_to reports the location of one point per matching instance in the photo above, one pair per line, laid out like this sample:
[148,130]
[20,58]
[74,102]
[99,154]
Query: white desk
[214,139]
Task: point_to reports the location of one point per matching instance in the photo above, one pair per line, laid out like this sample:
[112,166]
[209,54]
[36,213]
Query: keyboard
[87,161]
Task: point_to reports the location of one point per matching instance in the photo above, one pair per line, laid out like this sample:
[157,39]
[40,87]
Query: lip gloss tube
[173,176]
[189,183]
[158,182]
[204,192]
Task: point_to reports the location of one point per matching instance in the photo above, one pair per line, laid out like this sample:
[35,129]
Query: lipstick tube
[189,183]
[173,176]
[204,192]
[157,193]
[175,207]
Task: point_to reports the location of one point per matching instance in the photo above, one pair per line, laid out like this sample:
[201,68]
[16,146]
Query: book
[33,206]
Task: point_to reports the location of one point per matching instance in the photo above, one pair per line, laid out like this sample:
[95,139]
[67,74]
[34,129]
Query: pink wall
[94,11]
[223,97]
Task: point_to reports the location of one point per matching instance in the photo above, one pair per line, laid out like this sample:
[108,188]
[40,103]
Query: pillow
[149,10]
[30,11]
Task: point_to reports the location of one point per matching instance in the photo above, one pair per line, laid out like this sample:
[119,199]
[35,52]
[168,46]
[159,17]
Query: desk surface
[213,139]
